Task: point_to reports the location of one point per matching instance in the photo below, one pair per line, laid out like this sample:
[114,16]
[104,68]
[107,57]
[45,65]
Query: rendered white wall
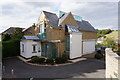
[28,49]
[23,53]
[75,45]
[88,46]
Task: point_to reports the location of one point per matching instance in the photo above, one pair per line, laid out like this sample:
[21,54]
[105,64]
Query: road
[89,68]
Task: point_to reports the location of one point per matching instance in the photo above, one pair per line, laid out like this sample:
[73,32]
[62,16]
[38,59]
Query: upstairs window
[42,27]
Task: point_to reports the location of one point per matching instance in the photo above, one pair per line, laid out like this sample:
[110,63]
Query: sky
[101,15]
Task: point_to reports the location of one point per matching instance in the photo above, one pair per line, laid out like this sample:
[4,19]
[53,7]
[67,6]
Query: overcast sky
[102,15]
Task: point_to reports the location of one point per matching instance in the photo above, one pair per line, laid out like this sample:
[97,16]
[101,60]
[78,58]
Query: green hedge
[98,56]
[37,59]
[10,48]
[62,59]
[58,60]
[50,61]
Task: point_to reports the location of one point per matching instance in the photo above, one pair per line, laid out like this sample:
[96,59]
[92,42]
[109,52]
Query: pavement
[86,68]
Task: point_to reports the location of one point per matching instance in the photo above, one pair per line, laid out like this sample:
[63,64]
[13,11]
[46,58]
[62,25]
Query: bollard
[3,70]
[31,78]
[12,72]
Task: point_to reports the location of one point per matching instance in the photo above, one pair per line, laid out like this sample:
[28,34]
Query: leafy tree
[11,43]
[6,37]
[109,43]
[102,33]
[17,34]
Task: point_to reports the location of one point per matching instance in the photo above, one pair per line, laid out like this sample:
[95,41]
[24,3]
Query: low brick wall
[112,64]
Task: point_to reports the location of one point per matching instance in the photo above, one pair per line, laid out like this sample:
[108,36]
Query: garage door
[75,45]
[88,46]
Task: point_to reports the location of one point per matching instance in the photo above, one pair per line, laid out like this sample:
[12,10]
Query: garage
[88,46]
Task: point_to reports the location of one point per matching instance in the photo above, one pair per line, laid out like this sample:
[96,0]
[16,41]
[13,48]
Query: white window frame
[23,48]
[34,46]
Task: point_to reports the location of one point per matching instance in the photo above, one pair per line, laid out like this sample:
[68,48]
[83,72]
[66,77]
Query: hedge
[50,61]
[98,56]
[10,48]
[37,59]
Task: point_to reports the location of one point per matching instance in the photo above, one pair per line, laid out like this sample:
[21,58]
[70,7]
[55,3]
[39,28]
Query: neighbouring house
[52,36]
[10,31]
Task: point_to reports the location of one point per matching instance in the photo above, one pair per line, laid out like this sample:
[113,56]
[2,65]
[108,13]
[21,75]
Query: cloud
[100,15]
[23,14]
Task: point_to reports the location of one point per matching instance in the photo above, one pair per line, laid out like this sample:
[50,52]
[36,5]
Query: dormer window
[43,31]
[42,28]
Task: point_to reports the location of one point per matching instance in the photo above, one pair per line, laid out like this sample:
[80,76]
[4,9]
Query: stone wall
[112,64]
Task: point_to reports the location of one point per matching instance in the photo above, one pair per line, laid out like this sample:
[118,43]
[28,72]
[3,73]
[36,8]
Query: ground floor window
[68,43]
[34,48]
[22,47]
[39,49]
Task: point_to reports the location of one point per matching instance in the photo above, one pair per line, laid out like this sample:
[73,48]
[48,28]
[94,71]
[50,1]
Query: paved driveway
[90,68]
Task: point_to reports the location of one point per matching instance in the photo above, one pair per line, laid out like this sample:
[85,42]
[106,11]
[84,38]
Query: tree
[11,43]
[102,33]
[5,37]
[17,34]
[109,43]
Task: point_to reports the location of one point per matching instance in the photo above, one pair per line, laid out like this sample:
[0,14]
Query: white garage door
[88,46]
[75,45]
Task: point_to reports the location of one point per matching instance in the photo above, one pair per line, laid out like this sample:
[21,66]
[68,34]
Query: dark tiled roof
[71,28]
[10,30]
[53,18]
[55,22]
[85,26]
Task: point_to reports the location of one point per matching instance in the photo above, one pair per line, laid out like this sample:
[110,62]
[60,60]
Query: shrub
[58,60]
[36,59]
[99,51]
[64,57]
[109,43]
[98,45]
[50,61]
[98,56]
[116,49]
[41,60]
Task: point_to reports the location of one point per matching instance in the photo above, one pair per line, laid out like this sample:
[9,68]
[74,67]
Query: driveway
[89,68]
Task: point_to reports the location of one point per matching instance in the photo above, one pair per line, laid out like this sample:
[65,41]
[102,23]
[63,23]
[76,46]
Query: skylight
[78,18]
